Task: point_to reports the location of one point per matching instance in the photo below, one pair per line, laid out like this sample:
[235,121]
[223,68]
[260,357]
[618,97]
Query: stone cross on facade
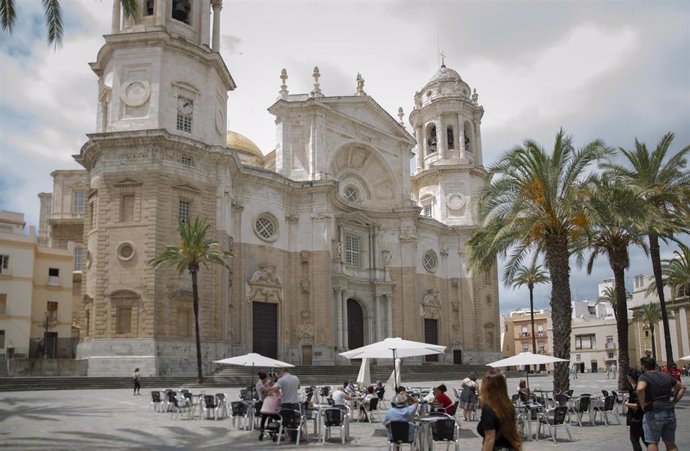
[283,87]
[317,87]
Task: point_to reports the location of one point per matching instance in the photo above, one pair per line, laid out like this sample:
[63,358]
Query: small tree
[194,250]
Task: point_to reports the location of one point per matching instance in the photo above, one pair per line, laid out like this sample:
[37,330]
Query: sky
[612,70]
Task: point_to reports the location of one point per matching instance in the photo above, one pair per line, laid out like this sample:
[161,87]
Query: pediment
[357,218]
[365,112]
[187,187]
[127,182]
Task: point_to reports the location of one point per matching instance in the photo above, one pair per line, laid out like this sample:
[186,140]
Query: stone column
[343,325]
[217,5]
[337,313]
[389,316]
[478,145]
[161,12]
[379,326]
[441,137]
[683,321]
[420,148]
[461,137]
[117,19]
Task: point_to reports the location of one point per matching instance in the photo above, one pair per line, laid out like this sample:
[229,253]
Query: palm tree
[531,204]
[665,185]
[194,250]
[676,271]
[53,17]
[530,276]
[615,214]
[649,315]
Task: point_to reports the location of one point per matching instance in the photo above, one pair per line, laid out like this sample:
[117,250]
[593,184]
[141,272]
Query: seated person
[349,388]
[340,397]
[403,408]
[524,391]
[441,401]
[364,405]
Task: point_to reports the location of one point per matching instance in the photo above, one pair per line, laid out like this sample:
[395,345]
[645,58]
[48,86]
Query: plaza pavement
[117,420]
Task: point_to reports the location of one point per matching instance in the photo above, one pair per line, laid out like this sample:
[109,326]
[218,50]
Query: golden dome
[241,143]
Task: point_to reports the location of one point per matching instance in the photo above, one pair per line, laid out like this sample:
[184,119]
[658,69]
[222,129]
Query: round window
[125,251]
[430,261]
[352,194]
[266,227]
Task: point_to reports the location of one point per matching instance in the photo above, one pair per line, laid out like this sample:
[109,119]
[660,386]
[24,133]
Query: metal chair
[334,418]
[240,413]
[210,406]
[399,433]
[290,421]
[180,405]
[222,401]
[553,419]
[156,401]
[369,408]
[605,408]
[445,429]
[579,407]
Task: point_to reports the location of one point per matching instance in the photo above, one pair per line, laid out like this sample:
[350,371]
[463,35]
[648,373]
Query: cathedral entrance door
[355,325]
[457,356]
[431,336]
[265,329]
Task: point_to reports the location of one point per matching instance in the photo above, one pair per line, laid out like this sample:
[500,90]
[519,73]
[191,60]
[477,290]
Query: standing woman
[635,413]
[468,396]
[497,424]
[137,381]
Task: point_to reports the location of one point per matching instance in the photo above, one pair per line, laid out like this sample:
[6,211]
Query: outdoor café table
[251,414]
[424,438]
[530,409]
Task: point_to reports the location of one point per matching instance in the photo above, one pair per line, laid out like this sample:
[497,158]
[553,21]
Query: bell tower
[446,122]
[161,69]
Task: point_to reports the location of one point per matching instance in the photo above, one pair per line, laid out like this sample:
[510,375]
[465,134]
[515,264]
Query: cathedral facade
[336,245]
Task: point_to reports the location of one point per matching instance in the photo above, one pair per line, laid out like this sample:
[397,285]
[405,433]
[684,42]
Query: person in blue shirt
[403,408]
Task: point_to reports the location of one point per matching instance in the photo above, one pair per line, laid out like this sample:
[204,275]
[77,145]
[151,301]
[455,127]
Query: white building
[336,244]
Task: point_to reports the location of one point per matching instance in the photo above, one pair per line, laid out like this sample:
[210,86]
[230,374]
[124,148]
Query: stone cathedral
[336,245]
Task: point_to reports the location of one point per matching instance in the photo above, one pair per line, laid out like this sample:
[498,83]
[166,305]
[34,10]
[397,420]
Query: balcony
[70,217]
[610,345]
[53,281]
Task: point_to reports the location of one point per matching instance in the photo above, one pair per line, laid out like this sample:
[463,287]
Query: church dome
[445,83]
[248,152]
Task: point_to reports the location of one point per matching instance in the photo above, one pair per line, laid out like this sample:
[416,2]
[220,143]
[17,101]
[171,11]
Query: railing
[610,345]
[67,215]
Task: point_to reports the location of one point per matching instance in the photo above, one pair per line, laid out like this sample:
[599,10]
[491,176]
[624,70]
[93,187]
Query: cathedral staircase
[236,376]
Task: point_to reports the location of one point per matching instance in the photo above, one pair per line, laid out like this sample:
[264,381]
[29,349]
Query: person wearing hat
[441,401]
[403,408]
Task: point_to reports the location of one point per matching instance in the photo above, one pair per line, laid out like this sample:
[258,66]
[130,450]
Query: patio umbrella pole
[395,372]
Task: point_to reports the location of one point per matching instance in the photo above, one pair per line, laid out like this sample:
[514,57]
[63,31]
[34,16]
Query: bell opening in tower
[180,10]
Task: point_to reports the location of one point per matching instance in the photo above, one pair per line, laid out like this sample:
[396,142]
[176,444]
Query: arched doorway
[355,324]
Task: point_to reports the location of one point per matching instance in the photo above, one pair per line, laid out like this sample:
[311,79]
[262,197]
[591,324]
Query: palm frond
[53,14]
[8,15]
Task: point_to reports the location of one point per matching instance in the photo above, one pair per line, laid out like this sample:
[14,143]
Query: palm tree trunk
[618,268]
[651,329]
[557,260]
[656,267]
[531,313]
[195,296]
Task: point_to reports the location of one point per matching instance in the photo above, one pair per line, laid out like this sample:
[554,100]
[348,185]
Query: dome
[445,83]
[248,152]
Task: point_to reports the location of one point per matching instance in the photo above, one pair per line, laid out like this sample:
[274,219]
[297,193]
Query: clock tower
[158,158]
[162,70]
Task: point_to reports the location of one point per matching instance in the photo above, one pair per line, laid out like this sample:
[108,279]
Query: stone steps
[236,376]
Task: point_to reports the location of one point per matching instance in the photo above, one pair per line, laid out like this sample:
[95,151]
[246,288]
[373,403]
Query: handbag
[271,405]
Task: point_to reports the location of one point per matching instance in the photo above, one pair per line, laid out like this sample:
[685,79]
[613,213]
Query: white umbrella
[253,359]
[526,358]
[393,348]
[687,357]
[364,376]
[394,379]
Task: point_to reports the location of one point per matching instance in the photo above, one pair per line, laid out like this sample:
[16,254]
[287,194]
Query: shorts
[659,425]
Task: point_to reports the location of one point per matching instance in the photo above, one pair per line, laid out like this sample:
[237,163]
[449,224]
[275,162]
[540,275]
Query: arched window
[431,139]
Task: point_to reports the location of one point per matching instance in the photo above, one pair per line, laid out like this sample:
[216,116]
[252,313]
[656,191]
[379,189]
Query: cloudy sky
[615,70]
